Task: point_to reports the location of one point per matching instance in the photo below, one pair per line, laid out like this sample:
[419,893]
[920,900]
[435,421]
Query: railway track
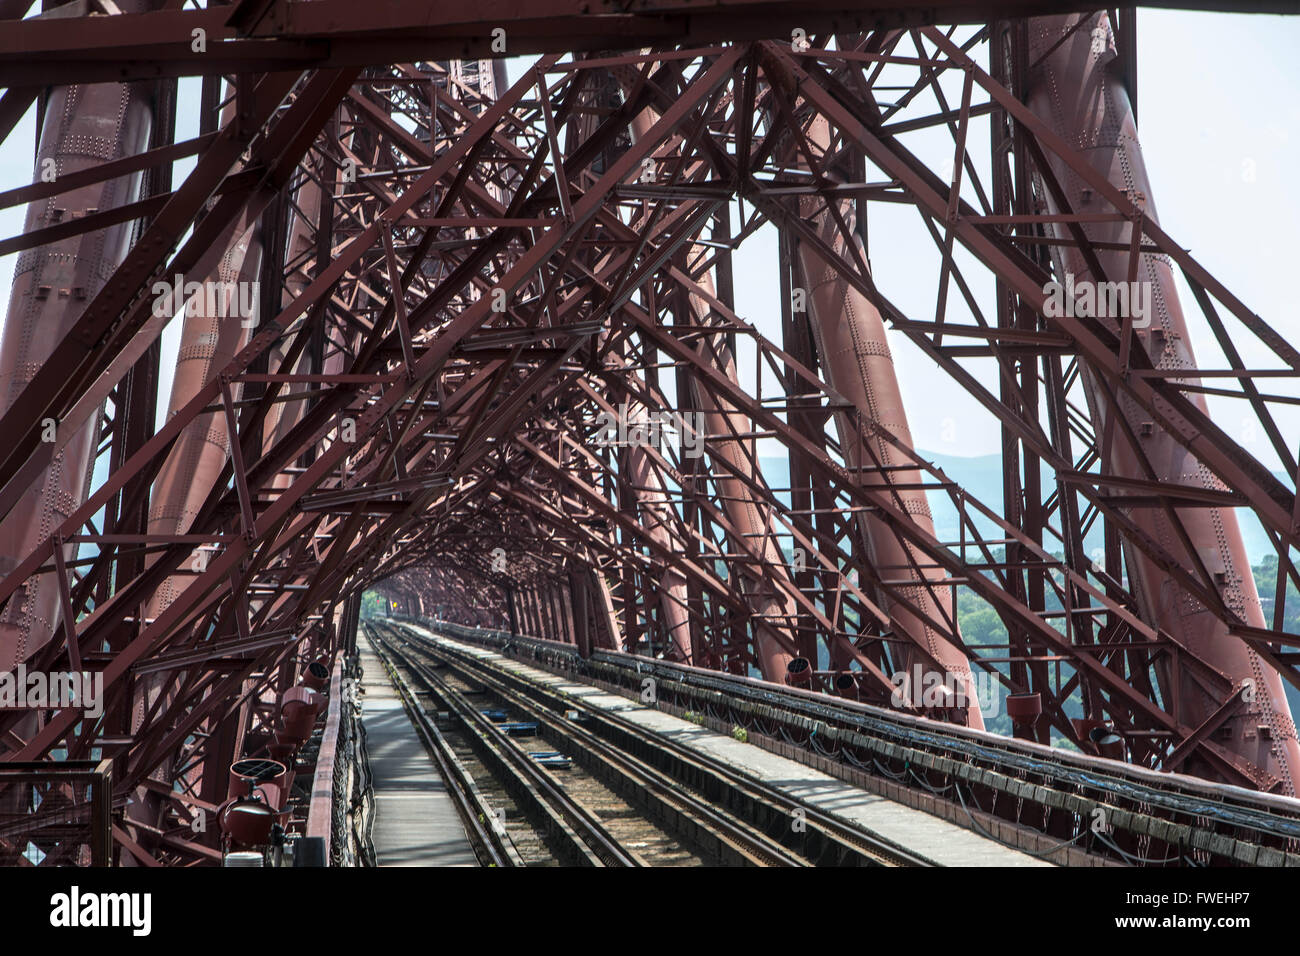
[734,819]
[489,840]
[1160,818]
[576,835]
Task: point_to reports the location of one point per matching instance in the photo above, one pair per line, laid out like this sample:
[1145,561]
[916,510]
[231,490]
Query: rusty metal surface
[459,281]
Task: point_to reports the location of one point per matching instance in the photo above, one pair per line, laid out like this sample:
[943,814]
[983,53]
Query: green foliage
[372,605]
[981,625]
[978,621]
[1266,583]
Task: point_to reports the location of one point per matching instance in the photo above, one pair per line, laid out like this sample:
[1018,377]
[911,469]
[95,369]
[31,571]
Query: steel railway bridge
[469,343]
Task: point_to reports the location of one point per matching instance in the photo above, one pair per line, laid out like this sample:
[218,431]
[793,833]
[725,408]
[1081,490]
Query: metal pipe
[1076,91]
[83,127]
[773,643]
[857,362]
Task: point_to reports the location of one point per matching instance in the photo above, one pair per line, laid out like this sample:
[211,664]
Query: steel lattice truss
[460,283]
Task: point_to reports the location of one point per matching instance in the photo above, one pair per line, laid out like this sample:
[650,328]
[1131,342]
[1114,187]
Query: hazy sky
[1219,111]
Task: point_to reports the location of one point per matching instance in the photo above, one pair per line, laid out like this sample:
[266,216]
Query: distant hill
[981,476]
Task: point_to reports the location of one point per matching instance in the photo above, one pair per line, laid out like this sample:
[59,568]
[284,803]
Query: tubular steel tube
[304,217]
[773,643]
[213,330]
[211,334]
[855,356]
[1076,92]
[647,486]
[654,502]
[83,127]
[210,338]
[646,483]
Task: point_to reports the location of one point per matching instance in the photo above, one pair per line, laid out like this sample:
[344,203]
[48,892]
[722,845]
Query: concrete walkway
[416,823]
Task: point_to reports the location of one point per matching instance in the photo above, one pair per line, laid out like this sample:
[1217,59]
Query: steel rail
[1009,758]
[848,842]
[491,846]
[741,842]
[587,839]
[1261,814]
